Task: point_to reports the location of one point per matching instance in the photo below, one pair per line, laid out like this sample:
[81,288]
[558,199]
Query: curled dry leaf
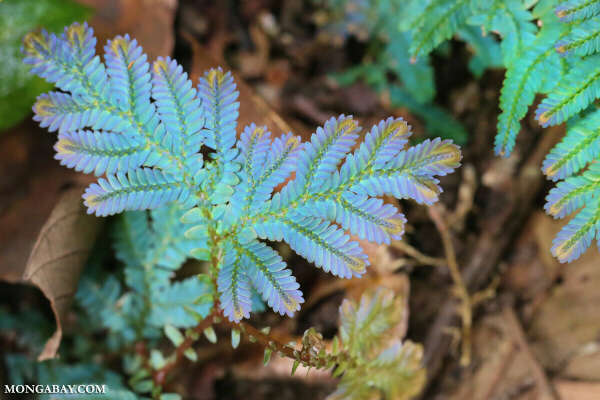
[58,257]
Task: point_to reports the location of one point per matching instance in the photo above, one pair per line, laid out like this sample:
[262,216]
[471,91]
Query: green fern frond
[441,19]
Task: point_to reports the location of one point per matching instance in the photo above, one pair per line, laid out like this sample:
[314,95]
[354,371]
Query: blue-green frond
[129,73]
[182,303]
[270,277]
[234,285]
[218,94]
[571,10]
[326,149]
[281,161]
[382,144]
[417,77]
[100,152]
[577,236]
[133,237]
[139,189]
[254,149]
[54,58]
[580,146]
[442,20]
[574,93]
[522,81]
[363,216]
[265,164]
[320,242]
[176,101]
[173,246]
[512,21]
[62,112]
[574,192]
[486,49]
[583,40]
[412,173]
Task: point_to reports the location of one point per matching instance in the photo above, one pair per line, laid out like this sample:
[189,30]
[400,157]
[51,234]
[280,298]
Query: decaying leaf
[381,364]
[149,21]
[58,257]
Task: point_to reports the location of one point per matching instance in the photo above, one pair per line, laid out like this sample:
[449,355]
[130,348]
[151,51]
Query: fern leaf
[319,242]
[265,165]
[583,40]
[129,74]
[523,80]
[182,304]
[100,152]
[234,286]
[173,247]
[577,9]
[486,50]
[443,18]
[574,192]
[65,113]
[580,146]
[417,77]
[411,174]
[218,94]
[254,149]
[361,324]
[132,237]
[575,237]
[177,103]
[382,144]
[270,277]
[140,189]
[54,58]
[325,151]
[384,365]
[579,88]
[367,218]
[511,20]
[100,301]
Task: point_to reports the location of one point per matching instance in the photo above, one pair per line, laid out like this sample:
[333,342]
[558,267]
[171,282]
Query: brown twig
[422,259]
[160,375]
[459,288]
[545,389]
[496,235]
[269,341]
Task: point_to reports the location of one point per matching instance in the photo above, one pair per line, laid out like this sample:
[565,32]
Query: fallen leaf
[45,232]
[573,390]
[499,370]
[58,256]
[150,22]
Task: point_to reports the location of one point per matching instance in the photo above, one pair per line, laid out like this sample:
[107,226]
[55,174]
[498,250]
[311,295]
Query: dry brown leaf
[31,219]
[150,22]
[573,390]
[58,256]
[499,370]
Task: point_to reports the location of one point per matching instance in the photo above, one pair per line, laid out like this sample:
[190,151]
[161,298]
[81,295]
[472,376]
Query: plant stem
[160,375]
[460,290]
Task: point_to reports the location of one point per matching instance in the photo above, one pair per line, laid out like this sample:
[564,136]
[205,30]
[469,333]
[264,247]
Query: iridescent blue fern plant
[140,128]
[548,47]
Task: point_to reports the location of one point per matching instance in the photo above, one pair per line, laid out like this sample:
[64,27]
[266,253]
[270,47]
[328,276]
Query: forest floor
[536,323]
